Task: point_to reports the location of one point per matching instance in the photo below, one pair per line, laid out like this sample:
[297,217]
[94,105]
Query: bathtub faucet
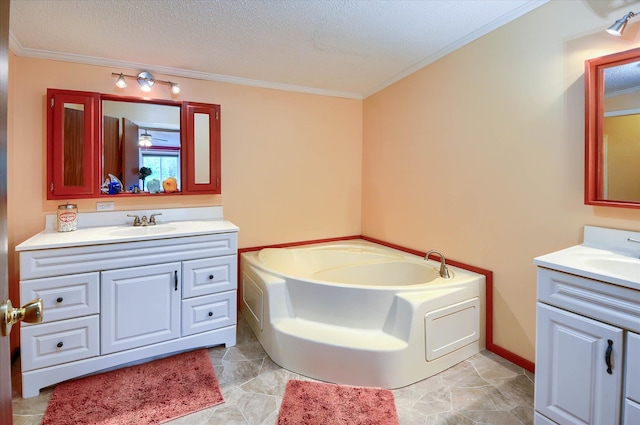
[444,270]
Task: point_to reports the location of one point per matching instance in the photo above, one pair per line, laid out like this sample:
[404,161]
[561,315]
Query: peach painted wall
[480,154]
[291,162]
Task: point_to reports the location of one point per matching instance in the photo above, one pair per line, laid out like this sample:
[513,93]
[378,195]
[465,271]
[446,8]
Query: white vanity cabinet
[587,351]
[110,304]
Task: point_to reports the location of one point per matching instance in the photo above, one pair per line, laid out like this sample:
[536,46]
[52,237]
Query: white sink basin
[142,231]
[628,268]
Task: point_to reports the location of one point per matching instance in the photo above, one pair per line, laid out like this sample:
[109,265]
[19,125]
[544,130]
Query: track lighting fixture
[146,81]
[618,27]
[121,82]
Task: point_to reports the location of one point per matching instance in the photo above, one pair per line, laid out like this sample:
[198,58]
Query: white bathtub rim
[459,276]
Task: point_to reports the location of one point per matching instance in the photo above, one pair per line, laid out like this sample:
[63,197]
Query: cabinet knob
[59,345]
[210,277]
[210,314]
[59,299]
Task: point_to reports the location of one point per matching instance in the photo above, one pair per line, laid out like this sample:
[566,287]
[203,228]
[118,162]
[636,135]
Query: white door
[578,368]
[140,306]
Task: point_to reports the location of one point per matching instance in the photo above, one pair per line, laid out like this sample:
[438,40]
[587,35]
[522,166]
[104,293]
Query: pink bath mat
[315,403]
[149,393]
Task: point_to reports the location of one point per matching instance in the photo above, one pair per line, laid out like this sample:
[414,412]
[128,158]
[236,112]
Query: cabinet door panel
[572,382]
[201,151]
[72,144]
[140,306]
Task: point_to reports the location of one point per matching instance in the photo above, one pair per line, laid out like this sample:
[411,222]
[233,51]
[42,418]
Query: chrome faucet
[136,220]
[444,270]
[152,219]
[142,221]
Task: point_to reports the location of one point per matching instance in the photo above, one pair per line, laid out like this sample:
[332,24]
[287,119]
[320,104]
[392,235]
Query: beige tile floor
[485,389]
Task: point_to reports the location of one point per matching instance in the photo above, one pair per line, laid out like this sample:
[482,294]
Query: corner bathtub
[359,313]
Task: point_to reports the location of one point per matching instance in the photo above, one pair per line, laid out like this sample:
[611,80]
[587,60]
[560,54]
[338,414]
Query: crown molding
[19,50]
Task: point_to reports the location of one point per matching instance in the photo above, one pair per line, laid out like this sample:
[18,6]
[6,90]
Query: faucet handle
[136,219]
[152,218]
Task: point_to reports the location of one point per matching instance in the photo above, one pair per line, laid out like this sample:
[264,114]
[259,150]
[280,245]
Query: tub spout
[444,270]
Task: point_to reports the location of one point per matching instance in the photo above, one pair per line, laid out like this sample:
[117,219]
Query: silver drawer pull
[633,240]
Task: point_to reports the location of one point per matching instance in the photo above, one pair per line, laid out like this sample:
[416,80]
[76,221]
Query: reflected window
[162,163]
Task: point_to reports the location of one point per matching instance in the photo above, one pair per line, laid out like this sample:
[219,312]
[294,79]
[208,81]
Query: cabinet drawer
[63,297]
[605,302]
[209,312]
[209,276]
[538,419]
[631,413]
[59,342]
[633,367]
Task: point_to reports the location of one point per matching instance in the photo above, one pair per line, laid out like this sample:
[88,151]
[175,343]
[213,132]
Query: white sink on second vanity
[118,294]
[588,331]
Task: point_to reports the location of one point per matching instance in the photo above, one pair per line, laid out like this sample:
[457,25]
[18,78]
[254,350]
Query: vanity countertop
[49,238]
[117,227]
[607,255]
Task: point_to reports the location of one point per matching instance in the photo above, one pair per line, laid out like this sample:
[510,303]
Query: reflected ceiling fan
[146,139]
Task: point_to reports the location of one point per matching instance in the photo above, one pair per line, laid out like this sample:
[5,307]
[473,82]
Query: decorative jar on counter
[67,217]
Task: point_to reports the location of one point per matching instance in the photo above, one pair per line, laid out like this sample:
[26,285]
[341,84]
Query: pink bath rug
[316,403]
[149,393]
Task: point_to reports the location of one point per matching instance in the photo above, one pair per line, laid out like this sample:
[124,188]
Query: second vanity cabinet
[112,304]
[587,351]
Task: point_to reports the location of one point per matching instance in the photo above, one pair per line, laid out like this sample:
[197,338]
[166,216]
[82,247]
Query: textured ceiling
[350,48]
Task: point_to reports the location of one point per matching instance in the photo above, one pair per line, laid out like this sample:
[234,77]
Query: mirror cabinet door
[202,148]
[72,144]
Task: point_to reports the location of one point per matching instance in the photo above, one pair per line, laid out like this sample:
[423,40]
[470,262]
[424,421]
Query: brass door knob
[30,313]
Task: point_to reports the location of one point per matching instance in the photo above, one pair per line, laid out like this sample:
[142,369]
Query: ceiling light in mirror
[145,140]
